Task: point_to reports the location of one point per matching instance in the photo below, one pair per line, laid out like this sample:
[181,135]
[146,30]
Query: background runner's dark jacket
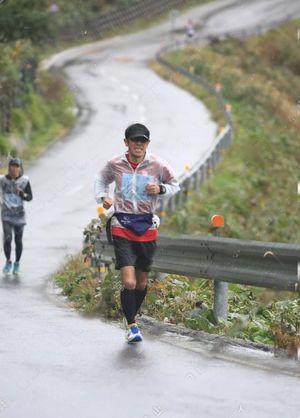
[14,192]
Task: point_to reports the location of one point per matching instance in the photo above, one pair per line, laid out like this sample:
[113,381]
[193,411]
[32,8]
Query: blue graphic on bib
[140,193]
[12,200]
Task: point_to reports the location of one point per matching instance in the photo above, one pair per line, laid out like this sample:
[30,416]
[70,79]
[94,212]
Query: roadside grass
[48,112]
[255,315]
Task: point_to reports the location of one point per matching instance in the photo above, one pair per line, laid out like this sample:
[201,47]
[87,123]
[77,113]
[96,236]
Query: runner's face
[136,148]
[14,170]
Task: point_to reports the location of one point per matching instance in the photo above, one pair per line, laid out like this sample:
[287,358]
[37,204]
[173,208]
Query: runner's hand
[153,188]
[21,193]
[107,202]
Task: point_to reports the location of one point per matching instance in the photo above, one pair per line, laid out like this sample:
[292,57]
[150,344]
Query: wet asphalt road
[54,362]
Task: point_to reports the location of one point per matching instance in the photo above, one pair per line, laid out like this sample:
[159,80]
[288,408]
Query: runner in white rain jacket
[139,178]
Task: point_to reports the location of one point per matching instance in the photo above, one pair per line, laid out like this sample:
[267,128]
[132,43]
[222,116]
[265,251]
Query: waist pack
[139,224]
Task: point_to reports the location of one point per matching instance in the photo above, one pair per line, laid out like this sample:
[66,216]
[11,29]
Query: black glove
[21,193]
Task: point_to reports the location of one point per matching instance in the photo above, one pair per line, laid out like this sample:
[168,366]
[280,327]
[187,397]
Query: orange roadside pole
[220,288]
[101,268]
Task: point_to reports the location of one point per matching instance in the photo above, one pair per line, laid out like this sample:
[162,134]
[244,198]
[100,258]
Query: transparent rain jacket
[130,194]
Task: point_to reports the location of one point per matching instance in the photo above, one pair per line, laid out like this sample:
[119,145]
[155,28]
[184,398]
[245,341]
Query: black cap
[15,161]
[137,130]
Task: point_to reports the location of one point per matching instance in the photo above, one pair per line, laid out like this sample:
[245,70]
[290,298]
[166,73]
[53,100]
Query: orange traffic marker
[217,221]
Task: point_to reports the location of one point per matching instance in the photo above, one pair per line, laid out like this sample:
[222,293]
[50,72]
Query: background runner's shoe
[133,335]
[7,267]
[16,269]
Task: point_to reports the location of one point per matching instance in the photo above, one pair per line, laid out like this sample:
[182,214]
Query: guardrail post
[217,154]
[207,168]
[173,14]
[179,196]
[102,270]
[220,288]
[172,203]
[220,300]
[197,180]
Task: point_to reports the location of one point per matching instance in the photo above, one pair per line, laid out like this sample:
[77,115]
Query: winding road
[54,362]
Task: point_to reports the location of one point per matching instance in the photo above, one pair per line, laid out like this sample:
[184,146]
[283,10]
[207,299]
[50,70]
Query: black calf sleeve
[139,297]
[128,304]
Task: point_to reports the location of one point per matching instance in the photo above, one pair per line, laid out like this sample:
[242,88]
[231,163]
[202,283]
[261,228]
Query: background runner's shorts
[132,253]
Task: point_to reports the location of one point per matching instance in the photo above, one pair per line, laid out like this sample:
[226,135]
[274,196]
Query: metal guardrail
[255,263]
[224,260]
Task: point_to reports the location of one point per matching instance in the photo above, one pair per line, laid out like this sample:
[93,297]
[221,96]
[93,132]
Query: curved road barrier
[255,263]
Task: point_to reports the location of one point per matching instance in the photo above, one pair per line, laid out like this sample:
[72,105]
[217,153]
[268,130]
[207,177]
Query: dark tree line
[40,20]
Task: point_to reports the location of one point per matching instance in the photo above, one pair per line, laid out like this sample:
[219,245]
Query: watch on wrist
[162,189]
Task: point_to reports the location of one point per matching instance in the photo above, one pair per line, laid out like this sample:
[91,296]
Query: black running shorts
[132,253]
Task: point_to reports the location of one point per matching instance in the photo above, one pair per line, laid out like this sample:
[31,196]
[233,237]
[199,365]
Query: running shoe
[133,334]
[7,267]
[16,269]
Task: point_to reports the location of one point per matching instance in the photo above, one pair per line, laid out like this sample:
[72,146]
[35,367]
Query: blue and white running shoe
[133,334]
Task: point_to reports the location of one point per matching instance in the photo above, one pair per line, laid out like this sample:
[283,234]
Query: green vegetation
[255,315]
[40,20]
[37,106]
[43,20]
[255,185]
[47,115]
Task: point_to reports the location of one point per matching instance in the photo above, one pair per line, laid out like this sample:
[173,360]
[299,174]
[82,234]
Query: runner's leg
[19,241]
[7,238]
[127,294]
[145,252]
